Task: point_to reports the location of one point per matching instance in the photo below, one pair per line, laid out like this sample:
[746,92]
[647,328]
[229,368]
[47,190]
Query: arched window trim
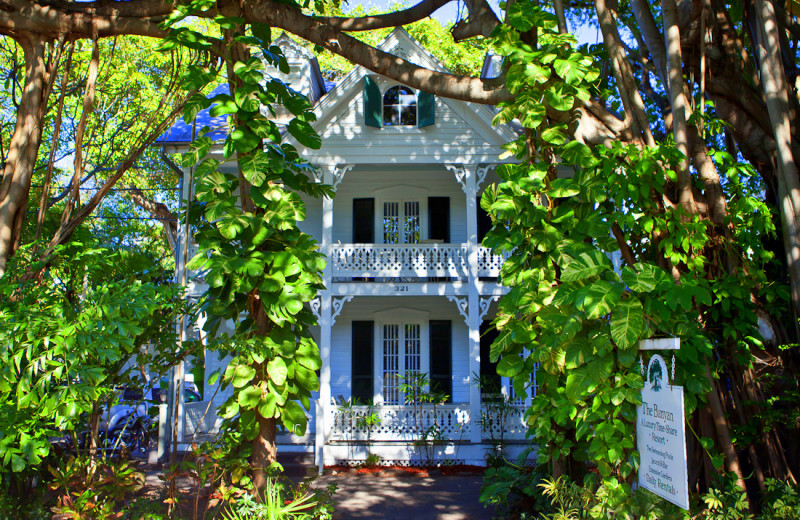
[399,107]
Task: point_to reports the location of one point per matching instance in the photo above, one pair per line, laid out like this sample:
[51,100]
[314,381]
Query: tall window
[401,222]
[402,354]
[399,107]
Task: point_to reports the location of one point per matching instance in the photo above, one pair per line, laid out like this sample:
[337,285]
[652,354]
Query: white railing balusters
[410,260]
[399,423]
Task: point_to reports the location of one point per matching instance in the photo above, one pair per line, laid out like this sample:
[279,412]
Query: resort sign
[661,435]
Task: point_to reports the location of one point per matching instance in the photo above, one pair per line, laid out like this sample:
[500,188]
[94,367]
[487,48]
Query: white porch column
[471,190]
[467,176]
[323,312]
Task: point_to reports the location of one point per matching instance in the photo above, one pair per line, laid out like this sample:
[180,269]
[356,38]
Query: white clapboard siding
[364,308]
[405,182]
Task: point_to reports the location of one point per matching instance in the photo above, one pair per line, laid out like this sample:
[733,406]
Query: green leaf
[308,355]
[242,375]
[267,407]
[627,322]
[304,133]
[554,136]
[254,167]
[561,188]
[599,298]
[510,365]
[243,139]
[306,378]
[294,418]
[277,370]
[643,281]
[249,397]
[556,98]
[586,265]
[579,383]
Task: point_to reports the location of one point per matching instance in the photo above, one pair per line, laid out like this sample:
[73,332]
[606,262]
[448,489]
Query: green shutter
[426,108]
[441,357]
[361,375]
[372,103]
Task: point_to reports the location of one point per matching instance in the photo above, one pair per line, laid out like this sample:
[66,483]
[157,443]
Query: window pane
[391,115]
[411,223]
[407,97]
[413,344]
[392,96]
[391,364]
[391,222]
[408,115]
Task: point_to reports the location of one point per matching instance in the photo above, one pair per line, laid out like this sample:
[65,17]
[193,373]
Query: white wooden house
[408,285]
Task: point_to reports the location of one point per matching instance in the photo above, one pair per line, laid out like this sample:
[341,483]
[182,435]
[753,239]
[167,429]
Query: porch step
[295,464]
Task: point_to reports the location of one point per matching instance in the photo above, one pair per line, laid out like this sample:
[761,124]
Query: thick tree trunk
[773,80]
[678,102]
[23,149]
[264,451]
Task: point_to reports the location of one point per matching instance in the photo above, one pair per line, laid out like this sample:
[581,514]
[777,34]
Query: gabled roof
[401,44]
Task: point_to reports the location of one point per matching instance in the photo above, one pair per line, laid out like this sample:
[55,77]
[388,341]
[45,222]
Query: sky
[449,13]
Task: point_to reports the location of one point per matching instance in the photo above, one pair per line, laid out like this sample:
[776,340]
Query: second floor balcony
[433,260]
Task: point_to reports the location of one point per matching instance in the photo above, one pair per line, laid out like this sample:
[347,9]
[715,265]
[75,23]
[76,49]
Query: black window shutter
[484,223]
[372,103]
[426,110]
[441,362]
[364,221]
[439,219]
[362,353]
[489,377]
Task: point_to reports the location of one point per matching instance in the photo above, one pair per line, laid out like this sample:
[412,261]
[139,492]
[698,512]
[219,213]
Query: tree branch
[395,19]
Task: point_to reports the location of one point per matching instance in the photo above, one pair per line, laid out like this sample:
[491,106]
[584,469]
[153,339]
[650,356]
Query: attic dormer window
[399,107]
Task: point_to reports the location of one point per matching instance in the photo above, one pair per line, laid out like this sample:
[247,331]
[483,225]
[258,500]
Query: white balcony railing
[410,260]
[406,260]
[402,423]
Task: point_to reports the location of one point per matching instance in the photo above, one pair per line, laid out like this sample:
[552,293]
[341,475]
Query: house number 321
[400,288]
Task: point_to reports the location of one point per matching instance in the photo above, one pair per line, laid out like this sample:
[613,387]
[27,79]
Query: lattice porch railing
[400,423]
[410,260]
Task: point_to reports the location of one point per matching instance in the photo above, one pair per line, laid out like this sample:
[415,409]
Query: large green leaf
[627,322]
[585,265]
[306,378]
[294,418]
[267,407]
[643,281]
[304,133]
[277,370]
[580,382]
[599,298]
[249,397]
[242,375]
[510,365]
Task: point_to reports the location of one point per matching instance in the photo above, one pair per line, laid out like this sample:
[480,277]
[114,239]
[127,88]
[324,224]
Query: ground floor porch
[393,434]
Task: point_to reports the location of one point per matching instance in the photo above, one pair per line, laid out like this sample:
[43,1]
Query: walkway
[403,497]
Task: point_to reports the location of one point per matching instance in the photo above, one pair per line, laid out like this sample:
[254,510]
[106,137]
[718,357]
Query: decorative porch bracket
[337,173]
[338,303]
[484,305]
[336,307]
[463,306]
[460,171]
[483,171]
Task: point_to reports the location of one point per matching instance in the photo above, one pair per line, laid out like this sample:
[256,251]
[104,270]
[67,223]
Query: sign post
[661,432]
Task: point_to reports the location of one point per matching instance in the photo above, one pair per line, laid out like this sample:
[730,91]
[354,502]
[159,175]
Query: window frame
[401,317]
[399,107]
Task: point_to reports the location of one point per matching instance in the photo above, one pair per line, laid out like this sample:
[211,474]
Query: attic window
[399,107]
